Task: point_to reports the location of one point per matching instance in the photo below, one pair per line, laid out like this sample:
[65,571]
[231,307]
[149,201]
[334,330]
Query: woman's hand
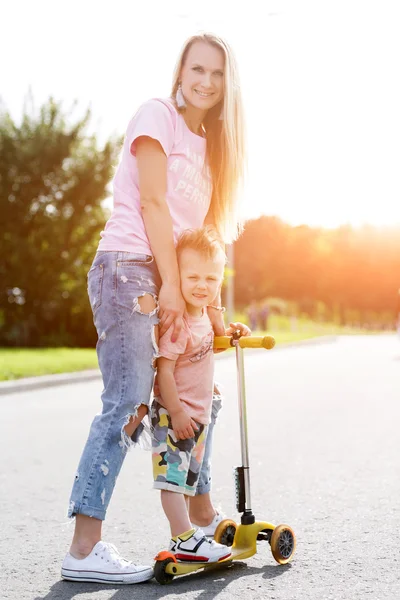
[171,309]
[183,425]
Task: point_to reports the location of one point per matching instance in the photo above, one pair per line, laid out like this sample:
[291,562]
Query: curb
[44,381]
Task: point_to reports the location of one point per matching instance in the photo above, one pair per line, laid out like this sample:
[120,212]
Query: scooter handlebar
[224,341]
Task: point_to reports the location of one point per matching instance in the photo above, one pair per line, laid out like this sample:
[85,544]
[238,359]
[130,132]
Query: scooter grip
[267,342]
[224,341]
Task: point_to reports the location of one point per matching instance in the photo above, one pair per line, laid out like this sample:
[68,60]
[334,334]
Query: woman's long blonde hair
[225,140]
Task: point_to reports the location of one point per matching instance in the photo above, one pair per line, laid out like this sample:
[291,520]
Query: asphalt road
[325,458]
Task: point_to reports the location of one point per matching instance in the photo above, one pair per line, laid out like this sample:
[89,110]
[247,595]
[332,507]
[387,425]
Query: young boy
[183,395]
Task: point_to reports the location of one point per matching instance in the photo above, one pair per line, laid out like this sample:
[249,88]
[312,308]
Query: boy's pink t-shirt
[194,367]
[188,180]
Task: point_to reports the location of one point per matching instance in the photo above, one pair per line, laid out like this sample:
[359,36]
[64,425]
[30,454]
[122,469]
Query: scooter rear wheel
[225,532]
[283,544]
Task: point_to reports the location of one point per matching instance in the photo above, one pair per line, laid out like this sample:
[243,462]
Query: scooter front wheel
[283,544]
[160,565]
[225,532]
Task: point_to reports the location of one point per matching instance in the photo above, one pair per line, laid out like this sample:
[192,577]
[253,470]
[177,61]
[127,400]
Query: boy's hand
[244,330]
[183,425]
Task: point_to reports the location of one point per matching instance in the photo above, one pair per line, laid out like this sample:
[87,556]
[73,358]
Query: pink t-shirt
[194,367]
[188,181]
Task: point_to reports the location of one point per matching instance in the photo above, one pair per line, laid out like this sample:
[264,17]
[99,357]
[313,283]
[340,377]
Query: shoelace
[116,558]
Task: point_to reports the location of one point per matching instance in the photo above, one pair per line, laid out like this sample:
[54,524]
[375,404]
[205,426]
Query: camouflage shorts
[176,463]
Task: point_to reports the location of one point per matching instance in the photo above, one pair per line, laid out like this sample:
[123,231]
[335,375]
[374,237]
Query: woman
[181,166]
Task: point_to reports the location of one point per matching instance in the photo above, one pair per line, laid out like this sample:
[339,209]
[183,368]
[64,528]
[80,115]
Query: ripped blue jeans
[126,350]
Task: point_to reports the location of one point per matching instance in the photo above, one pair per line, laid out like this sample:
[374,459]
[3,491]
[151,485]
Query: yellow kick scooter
[243,537]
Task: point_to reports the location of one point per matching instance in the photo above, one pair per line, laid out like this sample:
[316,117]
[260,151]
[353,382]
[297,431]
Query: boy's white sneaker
[198,548]
[209,530]
[104,565]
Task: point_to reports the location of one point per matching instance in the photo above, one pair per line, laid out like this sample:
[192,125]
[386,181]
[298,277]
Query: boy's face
[201,277]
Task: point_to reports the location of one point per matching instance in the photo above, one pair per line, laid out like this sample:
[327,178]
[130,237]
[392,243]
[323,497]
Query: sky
[319,78]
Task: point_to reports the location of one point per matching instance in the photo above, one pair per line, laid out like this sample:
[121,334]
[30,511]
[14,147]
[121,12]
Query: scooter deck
[244,546]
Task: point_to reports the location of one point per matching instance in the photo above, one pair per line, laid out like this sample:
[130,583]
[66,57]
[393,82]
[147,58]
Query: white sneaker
[105,565]
[209,530]
[198,548]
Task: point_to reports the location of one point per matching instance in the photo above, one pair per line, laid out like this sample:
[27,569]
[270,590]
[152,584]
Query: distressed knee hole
[132,422]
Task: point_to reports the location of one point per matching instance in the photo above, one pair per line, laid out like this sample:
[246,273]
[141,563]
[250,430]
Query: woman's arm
[152,167]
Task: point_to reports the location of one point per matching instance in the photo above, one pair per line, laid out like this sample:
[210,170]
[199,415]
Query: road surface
[325,458]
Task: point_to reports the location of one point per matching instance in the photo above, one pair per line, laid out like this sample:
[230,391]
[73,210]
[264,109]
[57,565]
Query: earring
[180,99]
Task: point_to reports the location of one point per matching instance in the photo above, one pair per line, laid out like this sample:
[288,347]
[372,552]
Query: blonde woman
[181,167]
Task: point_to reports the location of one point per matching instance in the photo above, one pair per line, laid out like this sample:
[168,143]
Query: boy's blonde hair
[204,240]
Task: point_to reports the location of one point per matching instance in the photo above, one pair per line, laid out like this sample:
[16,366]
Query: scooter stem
[243,425]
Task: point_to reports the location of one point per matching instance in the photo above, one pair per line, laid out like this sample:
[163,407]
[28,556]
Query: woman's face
[202,76]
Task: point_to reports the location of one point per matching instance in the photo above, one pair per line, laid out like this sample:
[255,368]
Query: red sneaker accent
[224,557]
[191,558]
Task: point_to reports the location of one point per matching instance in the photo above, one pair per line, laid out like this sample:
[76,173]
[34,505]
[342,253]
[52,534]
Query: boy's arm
[167,385]
[216,316]
[182,424]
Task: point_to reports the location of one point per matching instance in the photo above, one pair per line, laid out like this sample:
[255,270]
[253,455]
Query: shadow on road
[209,584]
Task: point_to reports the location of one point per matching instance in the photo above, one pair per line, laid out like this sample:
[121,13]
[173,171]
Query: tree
[349,272]
[53,179]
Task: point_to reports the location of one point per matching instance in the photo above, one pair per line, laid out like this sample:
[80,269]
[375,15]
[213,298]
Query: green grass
[303,327]
[284,337]
[29,362]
